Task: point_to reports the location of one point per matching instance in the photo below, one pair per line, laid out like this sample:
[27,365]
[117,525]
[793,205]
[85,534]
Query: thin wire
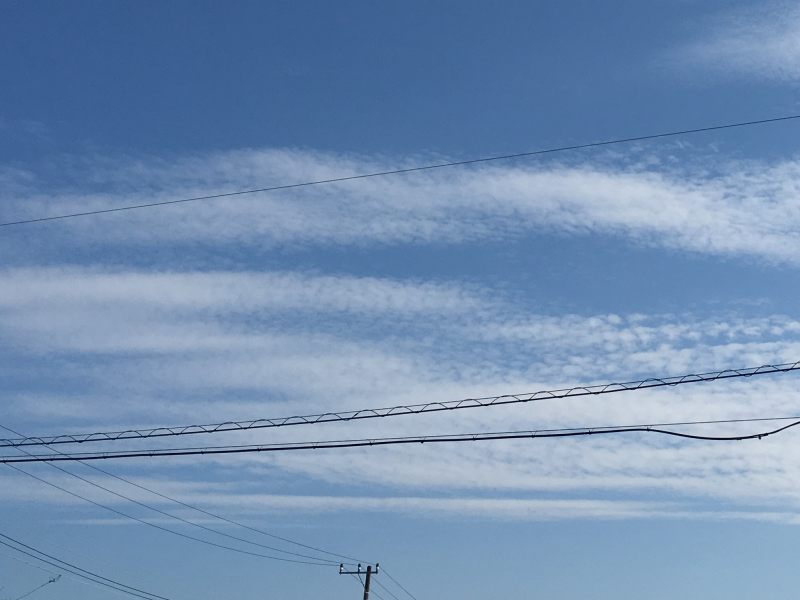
[382,570]
[30,564]
[385,589]
[231,521]
[358,579]
[373,592]
[186,505]
[162,528]
[409,409]
[431,439]
[76,574]
[429,167]
[78,571]
[192,523]
[36,589]
[176,517]
[400,585]
[376,594]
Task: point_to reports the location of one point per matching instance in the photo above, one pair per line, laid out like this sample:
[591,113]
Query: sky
[637,260]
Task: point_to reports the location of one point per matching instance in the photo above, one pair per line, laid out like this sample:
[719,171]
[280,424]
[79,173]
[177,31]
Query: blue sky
[631,261]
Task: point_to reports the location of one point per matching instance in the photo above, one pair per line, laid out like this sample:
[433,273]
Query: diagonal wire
[75,570]
[187,521]
[416,169]
[373,592]
[385,589]
[170,515]
[36,589]
[409,409]
[361,581]
[25,562]
[400,585]
[77,574]
[358,579]
[165,529]
[231,521]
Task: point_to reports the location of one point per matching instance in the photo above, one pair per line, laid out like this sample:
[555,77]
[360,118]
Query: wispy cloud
[251,506]
[115,346]
[740,209]
[760,42]
[169,347]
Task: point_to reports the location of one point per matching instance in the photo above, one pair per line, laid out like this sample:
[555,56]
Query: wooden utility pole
[368,575]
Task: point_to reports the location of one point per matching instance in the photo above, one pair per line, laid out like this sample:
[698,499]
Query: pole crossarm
[359,570]
[367,575]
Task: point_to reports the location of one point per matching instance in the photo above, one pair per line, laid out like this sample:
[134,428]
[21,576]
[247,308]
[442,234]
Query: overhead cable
[656,428]
[230,521]
[177,517]
[38,587]
[169,515]
[410,595]
[399,410]
[428,167]
[164,513]
[72,569]
[385,589]
[189,506]
[155,525]
[361,583]
[7,554]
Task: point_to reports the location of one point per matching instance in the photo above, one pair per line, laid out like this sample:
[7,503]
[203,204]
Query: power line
[189,506]
[361,583]
[393,411]
[231,521]
[37,588]
[398,584]
[154,525]
[225,519]
[385,589]
[378,583]
[169,515]
[25,562]
[376,594]
[181,519]
[178,502]
[429,439]
[198,525]
[77,571]
[428,167]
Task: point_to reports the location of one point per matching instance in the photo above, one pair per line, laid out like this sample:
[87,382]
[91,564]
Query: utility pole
[368,575]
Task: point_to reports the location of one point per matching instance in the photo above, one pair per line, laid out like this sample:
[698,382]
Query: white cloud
[231,291]
[338,335]
[253,507]
[172,347]
[115,347]
[736,209]
[760,42]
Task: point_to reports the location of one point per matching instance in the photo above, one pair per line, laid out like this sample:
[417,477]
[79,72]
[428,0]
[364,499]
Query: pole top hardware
[360,570]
